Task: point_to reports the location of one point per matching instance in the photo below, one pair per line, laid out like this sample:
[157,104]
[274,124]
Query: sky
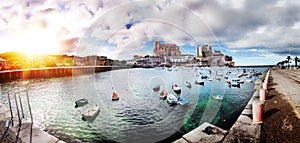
[253,32]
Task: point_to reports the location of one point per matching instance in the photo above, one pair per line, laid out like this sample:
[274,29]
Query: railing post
[11,113]
[21,105]
[17,107]
[29,107]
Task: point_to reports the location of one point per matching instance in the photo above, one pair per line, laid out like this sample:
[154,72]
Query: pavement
[287,83]
[26,132]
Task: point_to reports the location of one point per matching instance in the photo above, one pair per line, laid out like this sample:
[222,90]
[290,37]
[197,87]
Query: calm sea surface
[139,115]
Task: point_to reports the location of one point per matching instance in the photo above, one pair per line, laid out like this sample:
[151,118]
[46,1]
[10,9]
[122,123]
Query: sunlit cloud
[234,24]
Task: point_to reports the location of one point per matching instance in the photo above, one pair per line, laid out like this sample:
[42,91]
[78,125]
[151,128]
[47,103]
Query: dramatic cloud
[267,29]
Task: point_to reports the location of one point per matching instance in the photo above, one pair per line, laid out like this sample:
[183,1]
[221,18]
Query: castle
[206,57]
[165,50]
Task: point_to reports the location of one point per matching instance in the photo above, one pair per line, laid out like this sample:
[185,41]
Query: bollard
[257,112]
[266,81]
[262,94]
[265,86]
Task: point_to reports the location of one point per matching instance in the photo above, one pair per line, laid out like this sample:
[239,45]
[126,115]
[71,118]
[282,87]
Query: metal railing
[19,109]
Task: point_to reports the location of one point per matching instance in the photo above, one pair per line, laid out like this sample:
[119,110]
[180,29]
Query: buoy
[262,94]
[257,112]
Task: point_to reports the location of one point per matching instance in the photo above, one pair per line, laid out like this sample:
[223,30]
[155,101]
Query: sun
[39,42]
[34,41]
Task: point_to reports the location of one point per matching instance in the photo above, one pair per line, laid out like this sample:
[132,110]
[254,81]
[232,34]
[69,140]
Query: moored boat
[115,96]
[188,84]
[235,84]
[240,81]
[81,102]
[182,101]
[199,82]
[171,99]
[218,97]
[163,94]
[176,88]
[204,76]
[91,113]
[156,87]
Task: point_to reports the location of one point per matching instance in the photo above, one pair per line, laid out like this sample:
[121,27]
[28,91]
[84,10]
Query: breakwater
[51,72]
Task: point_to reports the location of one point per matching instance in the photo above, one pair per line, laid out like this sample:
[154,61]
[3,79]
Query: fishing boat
[163,94]
[171,99]
[188,84]
[81,102]
[156,87]
[115,96]
[182,101]
[248,80]
[176,88]
[218,97]
[91,113]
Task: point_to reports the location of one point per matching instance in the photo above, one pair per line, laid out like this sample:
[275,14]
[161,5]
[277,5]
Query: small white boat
[81,102]
[235,84]
[218,78]
[176,88]
[156,87]
[91,113]
[204,76]
[218,97]
[182,101]
[249,80]
[236,79]
[209,79]
[171,99]
[163,94]
[240,81]
[199,82]
[188,84]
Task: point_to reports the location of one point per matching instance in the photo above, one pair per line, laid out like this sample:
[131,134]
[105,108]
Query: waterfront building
[2,64]
[207,57]
[183,59]
[165,50]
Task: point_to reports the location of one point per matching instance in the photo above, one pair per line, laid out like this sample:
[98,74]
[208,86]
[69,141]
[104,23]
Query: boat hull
[81,102]
[91,113]
[171,99]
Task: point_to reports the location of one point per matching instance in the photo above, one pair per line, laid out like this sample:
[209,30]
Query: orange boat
[163,94]
[115,96]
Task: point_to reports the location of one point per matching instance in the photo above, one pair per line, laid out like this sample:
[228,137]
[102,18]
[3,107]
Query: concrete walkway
[26,133]
[287,82]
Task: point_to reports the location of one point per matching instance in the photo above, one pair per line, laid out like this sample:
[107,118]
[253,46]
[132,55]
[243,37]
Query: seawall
[243,130]
[51,72]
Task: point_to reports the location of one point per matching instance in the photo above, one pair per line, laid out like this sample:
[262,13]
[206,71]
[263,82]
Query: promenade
[281,110]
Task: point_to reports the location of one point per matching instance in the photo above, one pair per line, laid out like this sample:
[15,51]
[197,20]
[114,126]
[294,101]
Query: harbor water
[139,115]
